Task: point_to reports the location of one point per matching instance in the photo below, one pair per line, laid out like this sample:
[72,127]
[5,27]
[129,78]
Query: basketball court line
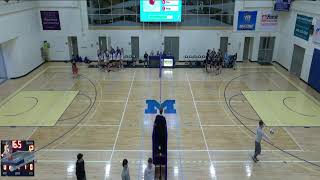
[96,108]
[169,150]
[272,81]
[67,137]
[227,125]
[204,137]
[298,87]
[107,101]
[122,117]
[22,87]
[293,138]
[198,117]
[33,131]
[89,125]
[250,67]
[243,130]
[48,80]
[79,127]
[195,162]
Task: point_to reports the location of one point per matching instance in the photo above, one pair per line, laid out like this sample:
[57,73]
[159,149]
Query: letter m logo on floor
[153,106]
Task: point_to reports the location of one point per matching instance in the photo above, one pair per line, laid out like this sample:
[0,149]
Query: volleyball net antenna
[160,79]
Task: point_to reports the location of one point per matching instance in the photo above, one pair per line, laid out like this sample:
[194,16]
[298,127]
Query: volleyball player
[259,136]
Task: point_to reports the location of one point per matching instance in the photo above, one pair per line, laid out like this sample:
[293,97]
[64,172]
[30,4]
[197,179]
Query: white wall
[74,22]
[238,37]
[19,38]
[287,38]
[191,41]
[23,24]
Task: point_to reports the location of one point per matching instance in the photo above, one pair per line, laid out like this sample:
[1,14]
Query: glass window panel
[106,19]
[183,6]
[227,20]
[189,20]
[191,6]
[93,6]
[130,7]
[118,20]
[215,20]
[204,6]
[105,6]
[228,7]
[131,20]
[216,7]
[127,12]
[203,20]
[117,6]
[138,6]
[94,19]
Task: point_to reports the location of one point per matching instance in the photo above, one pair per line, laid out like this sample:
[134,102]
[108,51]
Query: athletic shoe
[254,159]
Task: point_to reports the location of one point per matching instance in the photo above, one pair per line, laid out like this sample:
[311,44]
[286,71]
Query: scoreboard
[160,10]
[17,158]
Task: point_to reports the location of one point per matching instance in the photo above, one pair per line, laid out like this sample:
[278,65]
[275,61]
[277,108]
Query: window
[194,13]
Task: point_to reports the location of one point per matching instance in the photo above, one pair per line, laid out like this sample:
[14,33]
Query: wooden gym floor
[206,139]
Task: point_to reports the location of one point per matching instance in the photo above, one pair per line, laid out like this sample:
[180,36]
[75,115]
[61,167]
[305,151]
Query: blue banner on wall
[302,28]
[247,20]
[50,20]
[282,5]
[314,75]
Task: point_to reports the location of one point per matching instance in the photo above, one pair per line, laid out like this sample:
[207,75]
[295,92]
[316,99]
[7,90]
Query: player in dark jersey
[159,137]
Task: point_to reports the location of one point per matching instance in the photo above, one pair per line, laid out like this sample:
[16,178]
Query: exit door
[102,43]
[224,45]
[135,47]
[171,47]
[3,71]
[266,50]
[247,50]
[297,60]
[73,46]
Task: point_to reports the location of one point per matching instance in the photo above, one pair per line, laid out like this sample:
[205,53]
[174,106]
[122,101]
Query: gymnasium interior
[92,78]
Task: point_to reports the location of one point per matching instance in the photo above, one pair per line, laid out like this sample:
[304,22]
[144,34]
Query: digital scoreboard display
[17,158]
[160,10]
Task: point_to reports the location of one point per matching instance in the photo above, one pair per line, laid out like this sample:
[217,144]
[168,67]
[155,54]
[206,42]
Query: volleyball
[271,131]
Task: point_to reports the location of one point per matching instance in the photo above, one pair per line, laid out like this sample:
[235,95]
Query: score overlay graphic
[17,157]
[160,10]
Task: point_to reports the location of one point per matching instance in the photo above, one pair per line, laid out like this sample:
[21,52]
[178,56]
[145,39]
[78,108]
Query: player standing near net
[259,136]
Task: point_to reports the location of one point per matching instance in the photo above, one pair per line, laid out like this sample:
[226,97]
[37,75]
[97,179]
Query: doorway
[247,50]
[266,50]
[73,46]
[171,47]
[297,60]
[3,71]
[224,45]
[102,43]
[135,47]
